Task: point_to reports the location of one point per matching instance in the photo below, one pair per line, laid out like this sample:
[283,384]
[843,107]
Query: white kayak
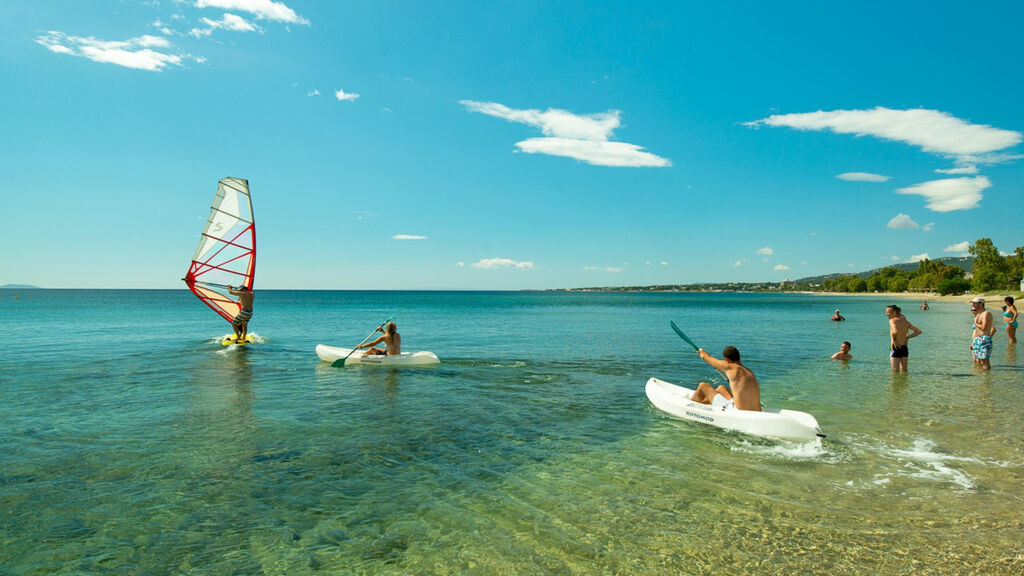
[771,422]
[331,354]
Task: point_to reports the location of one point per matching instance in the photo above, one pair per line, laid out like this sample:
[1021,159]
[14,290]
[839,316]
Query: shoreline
[919,296]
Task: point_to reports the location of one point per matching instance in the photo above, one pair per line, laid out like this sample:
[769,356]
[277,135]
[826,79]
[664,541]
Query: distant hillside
[964,262]
[811,281]
[19,287]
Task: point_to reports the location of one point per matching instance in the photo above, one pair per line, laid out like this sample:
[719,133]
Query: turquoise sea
[131,442]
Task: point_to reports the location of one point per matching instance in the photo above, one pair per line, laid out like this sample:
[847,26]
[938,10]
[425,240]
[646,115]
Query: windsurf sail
[226,255]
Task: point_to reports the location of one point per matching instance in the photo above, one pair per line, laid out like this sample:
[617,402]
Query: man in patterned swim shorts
[981,337]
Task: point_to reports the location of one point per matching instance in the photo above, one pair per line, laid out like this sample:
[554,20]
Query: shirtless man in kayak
[746,393]
[900,330]
[391,338]
[241,322]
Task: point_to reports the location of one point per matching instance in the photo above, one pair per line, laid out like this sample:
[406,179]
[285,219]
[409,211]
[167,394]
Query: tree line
[990,271]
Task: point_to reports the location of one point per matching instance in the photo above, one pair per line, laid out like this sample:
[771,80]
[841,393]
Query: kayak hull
[332,354]
[770,422]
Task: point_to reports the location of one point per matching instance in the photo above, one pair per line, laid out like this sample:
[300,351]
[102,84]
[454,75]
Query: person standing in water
[745,394]
[981,336]
[241,322]
[391,339]
[900,331]
[1010,319]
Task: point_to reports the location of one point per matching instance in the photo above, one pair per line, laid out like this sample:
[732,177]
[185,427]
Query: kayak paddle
[690,342]
[341,361]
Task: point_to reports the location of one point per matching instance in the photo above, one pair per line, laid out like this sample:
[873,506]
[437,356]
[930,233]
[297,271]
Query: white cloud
[605,269]
[959,247]
[781,267]
[134,53]
[345,96]
[408,237]
[895,258]
[313,92]
[496,263]
[970,169]
[262,9]
[862,177]
[918,257]
[950,194]
[230,22]
[767,250]
[928,227]
[664,262]
[617,154]
[931,130]
[902,222]
[583,137]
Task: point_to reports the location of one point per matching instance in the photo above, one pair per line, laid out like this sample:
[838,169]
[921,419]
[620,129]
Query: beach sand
[990,299]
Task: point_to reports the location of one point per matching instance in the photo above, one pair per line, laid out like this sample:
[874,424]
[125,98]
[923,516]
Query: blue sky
[493,145]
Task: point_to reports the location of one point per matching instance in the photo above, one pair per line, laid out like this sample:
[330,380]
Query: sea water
[132,442]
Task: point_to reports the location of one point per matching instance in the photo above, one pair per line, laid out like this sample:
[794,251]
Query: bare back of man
[900,331]
[745,393]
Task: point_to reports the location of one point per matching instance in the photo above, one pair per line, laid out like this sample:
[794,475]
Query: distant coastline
[19,287]
[747,289]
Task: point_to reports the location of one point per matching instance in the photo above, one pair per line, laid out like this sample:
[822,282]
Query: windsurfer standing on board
[391,338]
[241,322]
[746,393]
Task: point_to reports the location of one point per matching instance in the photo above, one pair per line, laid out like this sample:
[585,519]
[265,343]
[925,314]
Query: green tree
[930,274]
[897,284]
[953,286]
[857,284]
[991,271]
[1015,266]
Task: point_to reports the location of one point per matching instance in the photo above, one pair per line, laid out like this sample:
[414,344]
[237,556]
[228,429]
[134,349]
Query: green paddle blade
[683,335]
[339,362]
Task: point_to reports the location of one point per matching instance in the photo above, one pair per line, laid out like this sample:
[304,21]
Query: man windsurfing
[240,324]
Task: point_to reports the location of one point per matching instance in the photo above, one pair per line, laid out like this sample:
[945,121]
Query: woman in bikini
[1010,319]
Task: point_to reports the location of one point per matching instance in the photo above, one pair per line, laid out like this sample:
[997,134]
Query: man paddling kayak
[745,394]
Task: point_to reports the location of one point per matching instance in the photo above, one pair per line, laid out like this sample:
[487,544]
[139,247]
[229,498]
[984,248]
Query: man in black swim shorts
[900,330]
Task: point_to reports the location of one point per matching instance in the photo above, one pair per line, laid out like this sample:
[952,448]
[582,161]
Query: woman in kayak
[746,393]
[391,338]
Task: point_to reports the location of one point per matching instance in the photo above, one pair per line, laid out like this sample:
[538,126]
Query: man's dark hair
[731,353]
[848,344]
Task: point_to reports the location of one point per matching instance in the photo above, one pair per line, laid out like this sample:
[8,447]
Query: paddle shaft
[353,351]
[690,342]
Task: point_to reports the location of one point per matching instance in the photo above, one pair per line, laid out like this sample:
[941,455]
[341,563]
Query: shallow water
[134,443]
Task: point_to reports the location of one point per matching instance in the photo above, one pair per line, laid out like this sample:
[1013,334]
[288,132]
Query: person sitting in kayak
[746,393]
[844,352]
[391,338]
[240,324]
